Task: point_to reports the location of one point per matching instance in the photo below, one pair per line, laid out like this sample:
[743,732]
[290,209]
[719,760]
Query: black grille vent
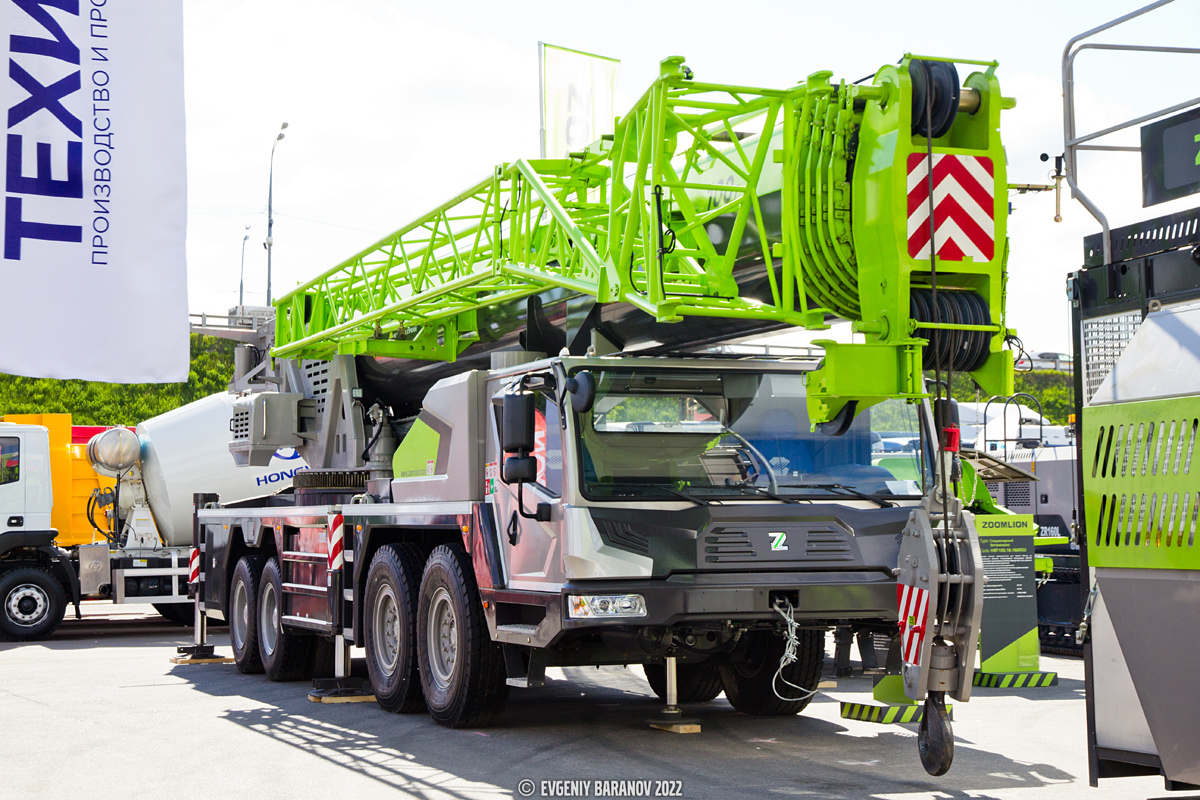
[726,545]
[828,544]
[622,534]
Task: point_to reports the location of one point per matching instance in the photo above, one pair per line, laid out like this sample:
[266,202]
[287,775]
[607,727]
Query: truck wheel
[462,669]
[748,675]
[284,655]
[390,617]
[179,613]
[33,604]
[696,683]
[243,614]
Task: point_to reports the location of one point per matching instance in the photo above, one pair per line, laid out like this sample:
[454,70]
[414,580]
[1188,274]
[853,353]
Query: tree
[95,403]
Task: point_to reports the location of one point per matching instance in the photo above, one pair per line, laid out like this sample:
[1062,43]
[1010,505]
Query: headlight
[606,606]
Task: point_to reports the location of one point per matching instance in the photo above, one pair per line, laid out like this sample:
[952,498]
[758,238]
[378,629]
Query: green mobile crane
[492,398]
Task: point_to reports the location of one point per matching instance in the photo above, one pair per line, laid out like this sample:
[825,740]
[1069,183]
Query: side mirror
[945,413]
[582,389]
[520,469]
[518,426]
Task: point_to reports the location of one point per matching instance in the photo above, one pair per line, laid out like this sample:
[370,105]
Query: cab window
[10,459]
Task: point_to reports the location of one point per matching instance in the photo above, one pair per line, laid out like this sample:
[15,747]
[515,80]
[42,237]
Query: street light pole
[270,219]
[242,277]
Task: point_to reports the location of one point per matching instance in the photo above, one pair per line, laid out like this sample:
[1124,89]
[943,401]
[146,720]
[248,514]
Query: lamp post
[242,277]
[270,219]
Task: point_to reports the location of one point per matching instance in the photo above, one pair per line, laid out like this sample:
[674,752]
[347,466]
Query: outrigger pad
[198,654]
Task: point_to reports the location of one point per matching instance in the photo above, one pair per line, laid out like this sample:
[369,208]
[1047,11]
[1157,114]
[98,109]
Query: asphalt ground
[98,711]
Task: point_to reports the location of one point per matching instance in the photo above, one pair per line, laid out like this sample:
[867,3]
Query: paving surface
[98,710]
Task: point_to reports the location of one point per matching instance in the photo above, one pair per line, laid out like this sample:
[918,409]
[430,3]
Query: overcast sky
[393,107]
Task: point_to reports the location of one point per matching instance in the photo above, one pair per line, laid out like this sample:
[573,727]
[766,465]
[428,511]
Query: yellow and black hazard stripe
[1015,680]
[886,715]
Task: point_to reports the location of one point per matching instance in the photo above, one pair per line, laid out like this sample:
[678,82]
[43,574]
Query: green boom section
[1141,502]
[698,181]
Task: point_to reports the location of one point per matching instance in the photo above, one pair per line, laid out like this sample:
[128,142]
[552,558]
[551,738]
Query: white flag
[93,278]
[577,99]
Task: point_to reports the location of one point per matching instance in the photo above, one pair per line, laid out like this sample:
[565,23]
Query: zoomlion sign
[94,190]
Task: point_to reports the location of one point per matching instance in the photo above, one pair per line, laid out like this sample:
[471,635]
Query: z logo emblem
[778,540]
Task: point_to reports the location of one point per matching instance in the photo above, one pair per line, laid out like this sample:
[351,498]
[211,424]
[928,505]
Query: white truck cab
[25,496]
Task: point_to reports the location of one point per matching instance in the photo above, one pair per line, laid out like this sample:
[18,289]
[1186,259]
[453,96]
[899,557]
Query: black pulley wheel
[937,81]
[935,737]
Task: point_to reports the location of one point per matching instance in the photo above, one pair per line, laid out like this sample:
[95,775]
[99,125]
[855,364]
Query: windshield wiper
[848,490]
[630,484]
[762,491]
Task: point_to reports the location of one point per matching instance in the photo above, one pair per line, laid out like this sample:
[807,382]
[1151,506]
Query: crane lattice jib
[827,182]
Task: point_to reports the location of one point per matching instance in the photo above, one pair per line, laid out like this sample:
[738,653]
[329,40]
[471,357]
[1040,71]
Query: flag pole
[542,98]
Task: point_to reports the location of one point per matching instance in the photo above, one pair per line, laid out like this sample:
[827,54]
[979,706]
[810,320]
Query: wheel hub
[27,604]
[442,638]
[387,629]
[268,620]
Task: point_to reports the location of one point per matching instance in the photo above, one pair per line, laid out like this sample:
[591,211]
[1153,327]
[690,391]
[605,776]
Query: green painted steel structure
[662,214]
[1140,502]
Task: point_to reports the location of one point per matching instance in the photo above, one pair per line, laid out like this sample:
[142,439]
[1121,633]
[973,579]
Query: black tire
[390,627]
[695,683]
[242,614]
[179,613]
[32,604]
[320,658]
[284,655]
[464,678]
[748,675]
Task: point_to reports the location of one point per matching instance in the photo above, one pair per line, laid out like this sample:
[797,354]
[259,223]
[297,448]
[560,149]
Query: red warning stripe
[194,566]
[964,213]
[335,542]
[914,607]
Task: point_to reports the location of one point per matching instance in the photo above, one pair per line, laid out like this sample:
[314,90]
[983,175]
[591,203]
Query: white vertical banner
[93,278]
[577,98]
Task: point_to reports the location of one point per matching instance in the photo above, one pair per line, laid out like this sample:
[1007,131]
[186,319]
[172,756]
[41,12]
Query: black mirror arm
[541,513]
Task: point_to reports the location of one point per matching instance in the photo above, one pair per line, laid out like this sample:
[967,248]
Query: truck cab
[35,575]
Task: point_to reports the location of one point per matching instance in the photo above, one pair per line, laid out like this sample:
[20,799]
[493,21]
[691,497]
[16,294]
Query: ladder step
[305,558]
[308,623]
[305,589]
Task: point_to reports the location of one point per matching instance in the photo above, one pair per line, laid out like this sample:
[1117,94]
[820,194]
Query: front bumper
[707,597]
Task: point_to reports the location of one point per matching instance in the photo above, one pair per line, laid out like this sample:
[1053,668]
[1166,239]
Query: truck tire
[284,655]
[462,669]
[696,683]
[179,613]
[243,614]
[748,675]
[32,604]
[390,627]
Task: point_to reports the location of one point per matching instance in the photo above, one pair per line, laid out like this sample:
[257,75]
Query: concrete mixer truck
[521,458]
[125,539]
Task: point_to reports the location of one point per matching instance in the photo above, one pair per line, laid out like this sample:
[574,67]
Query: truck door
[532,551]
[12,488]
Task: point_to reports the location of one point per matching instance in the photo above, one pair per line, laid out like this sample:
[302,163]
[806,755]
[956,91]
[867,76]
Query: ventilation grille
[1017,495]
[240,424]
[726,545]
[1104,339]
[316,375]
[1141,502]
[622,534]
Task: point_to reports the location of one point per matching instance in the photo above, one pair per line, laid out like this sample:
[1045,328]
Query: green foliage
[1054,390]
[93,403]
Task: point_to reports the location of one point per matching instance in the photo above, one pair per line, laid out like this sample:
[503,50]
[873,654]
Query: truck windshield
[715,435]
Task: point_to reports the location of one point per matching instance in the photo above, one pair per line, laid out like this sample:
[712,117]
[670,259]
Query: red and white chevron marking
[963,207]
[336,526]
[914,607]
[194,566]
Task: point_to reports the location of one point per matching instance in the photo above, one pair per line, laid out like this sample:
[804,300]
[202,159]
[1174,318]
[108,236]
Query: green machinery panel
[1141,503]
[826,181]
